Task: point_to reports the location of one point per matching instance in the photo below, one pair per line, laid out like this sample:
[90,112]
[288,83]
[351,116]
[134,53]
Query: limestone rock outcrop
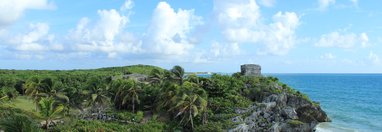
[280,112]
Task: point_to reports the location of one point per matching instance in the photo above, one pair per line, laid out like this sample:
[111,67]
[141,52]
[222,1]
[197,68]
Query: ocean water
[352,101]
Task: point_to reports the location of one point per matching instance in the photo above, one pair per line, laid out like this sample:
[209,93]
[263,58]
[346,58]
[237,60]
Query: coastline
[330,127]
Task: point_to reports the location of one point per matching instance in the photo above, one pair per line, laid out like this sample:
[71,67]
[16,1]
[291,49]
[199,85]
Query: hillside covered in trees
[149,98]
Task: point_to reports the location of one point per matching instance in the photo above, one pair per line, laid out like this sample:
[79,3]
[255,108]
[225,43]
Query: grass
[24,103]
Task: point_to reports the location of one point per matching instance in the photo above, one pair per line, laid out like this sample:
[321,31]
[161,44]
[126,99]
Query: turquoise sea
[352,101]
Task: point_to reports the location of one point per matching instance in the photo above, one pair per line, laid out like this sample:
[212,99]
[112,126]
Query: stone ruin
[134,76]
[250,70]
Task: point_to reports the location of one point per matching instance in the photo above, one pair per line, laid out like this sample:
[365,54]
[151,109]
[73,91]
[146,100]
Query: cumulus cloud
[374,58]
[240,23]
[342,40]
[106,34]
[37,39]
[201,57]
[169,30]
[324,4]
[224,50]
[11,10]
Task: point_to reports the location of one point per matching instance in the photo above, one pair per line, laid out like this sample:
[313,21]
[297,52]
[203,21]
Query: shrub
[16,120]
[295,123]
[128,116]
[9,93]
[210,127]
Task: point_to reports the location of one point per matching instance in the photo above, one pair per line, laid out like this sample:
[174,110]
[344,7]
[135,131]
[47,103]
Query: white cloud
[169,30]
[106,34]
[201,58]
[3,33]
[342,40]
[240,22]
[27,56]
[11,10]
[127,6]
[328,56]
[225,50]
[355,2]
[374,58]
[37,39]
[364,40]
[268,3]
[324,4]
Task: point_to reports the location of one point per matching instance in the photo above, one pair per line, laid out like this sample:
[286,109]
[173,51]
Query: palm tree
[168,96]
[38,88]
[133,92]
[190,102]
[18,123]
[97,93]
[7,93]
[178,73]
[127,90]
[75,96]
[33,87]
[197,80]
[48,111]
[157,76]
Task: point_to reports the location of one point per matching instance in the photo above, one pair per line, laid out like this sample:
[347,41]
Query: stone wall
[250,70]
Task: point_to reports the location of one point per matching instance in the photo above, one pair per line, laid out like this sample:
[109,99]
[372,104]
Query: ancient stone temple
[250,70]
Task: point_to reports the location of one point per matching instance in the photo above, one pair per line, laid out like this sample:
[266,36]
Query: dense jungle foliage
[106,100]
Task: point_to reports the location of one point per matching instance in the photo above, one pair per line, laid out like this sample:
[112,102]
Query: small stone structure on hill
[134,76]
[251,70]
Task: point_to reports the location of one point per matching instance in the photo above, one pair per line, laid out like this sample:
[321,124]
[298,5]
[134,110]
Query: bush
[128,116]
[9,93]
[16,120]
[210,127]
[99,126]
[295,123]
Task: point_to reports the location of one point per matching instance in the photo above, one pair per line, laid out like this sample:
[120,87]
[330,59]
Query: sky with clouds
[294,36]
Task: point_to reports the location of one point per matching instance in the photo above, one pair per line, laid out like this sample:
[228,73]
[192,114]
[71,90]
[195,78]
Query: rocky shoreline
[282,112]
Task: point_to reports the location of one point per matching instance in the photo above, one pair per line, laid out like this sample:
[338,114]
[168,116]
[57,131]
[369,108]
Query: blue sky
[294,36]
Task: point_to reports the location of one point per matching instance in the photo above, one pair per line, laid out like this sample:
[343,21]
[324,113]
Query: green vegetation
[295,123]
[106,100]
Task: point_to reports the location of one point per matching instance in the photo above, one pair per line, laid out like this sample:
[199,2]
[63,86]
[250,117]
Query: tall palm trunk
[47,125]
[192,121]
[133,105]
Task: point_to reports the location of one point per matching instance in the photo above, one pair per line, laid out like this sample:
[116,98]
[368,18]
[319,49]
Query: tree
[178,74]
[33,87]
[8,93]
[48,111]
[157,76]
[76,97]
[190,102]
[38,88]
[128,90]
[18,123]
[133,92]
[168,96]
[97,93]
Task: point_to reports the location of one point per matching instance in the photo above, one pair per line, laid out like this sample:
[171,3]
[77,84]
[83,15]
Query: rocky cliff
[282,112]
